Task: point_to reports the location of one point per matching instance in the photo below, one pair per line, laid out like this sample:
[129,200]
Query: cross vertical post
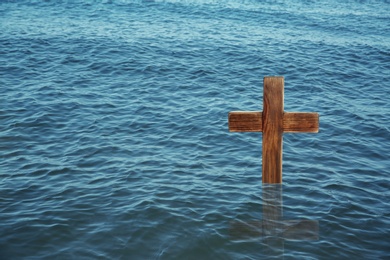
[273,129]
[273,122]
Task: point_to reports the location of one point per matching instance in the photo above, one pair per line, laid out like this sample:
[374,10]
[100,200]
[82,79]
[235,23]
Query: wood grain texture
[273,99]
[300,122]
[273,122]
[245,121]
[293,122]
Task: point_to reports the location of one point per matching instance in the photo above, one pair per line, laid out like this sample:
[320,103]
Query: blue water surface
[114,141]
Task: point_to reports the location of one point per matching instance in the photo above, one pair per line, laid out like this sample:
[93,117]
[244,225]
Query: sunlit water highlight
[114,140]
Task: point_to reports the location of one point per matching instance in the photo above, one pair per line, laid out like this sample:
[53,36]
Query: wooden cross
[273,122]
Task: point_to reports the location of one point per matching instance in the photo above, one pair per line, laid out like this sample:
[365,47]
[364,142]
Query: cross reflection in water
[273,229]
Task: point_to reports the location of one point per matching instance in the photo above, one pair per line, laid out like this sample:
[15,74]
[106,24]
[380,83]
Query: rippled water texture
[114,141]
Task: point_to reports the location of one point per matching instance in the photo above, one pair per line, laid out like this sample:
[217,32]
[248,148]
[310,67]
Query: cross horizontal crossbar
[293,122]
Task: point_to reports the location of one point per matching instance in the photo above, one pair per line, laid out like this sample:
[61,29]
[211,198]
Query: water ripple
[114,140]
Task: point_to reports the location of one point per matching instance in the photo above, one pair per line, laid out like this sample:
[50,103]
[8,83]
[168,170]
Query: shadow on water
[273,230]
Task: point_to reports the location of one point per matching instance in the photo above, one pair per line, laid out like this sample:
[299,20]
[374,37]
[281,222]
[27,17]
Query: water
[114,140]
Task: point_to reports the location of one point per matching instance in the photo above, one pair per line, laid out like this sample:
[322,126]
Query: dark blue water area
[114,141]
